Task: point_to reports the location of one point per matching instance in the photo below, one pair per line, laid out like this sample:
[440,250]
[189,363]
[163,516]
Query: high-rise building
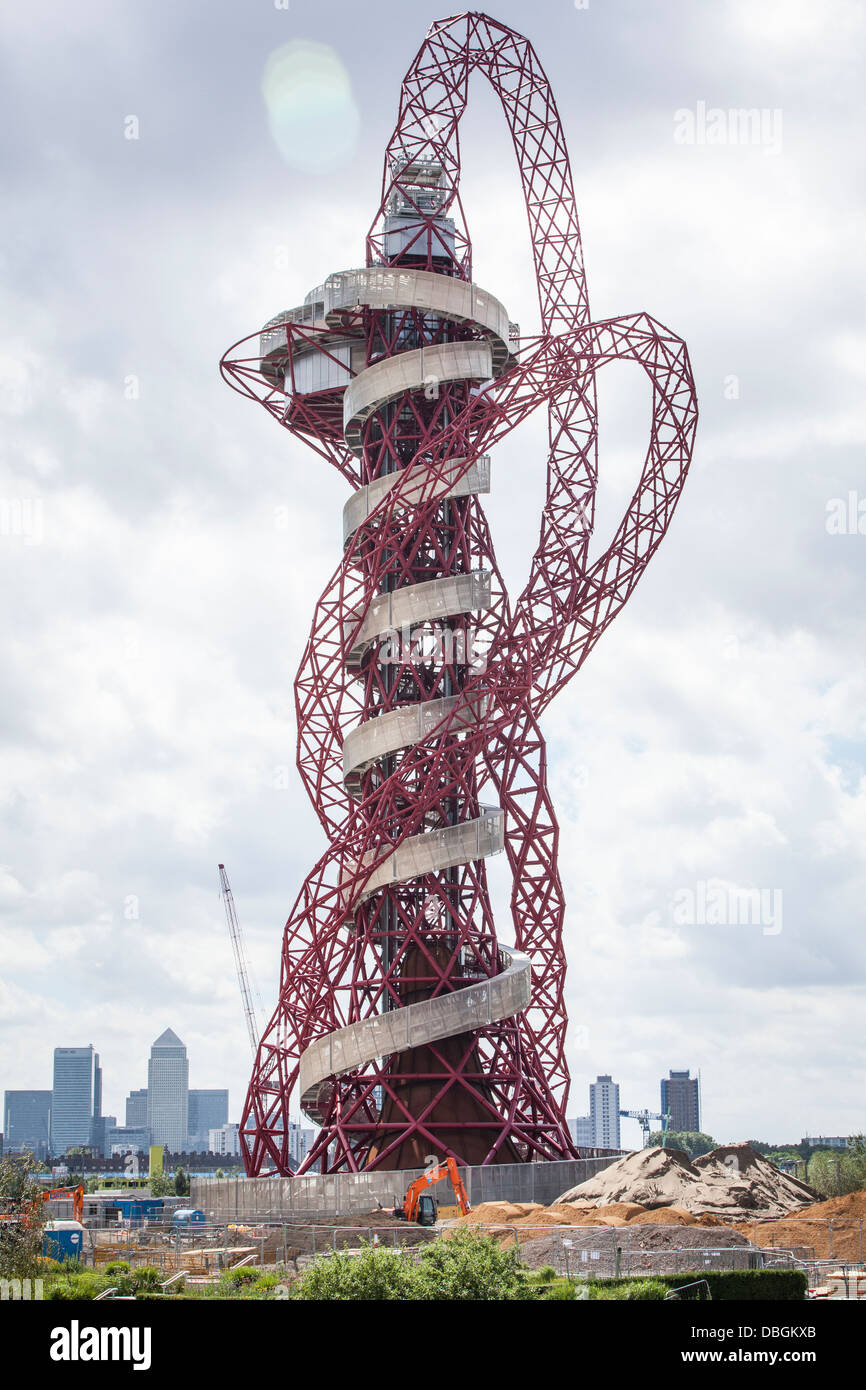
[582,1132]
[76,1099]
[224,1140]
[125,1139]
[168,1092]
[300,1142]
[27,1122]
[604,1113]
[207,1110]
[100,1131]
[681,1096]
[136,1109]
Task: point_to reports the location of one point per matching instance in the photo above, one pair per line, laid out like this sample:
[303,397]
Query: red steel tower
[405,1023]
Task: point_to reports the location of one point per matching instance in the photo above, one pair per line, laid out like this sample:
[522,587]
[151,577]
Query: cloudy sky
[155,604]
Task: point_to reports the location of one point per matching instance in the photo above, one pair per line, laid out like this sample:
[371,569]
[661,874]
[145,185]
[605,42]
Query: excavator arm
[58,1194]
[412,1201]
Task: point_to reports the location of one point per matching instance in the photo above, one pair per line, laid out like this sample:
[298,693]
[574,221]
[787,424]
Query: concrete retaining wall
[341,1194]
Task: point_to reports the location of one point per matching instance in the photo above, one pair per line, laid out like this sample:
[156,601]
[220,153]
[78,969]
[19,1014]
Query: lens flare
[311,110]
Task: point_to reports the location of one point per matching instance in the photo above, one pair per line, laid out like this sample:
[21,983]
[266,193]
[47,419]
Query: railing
[699,1290]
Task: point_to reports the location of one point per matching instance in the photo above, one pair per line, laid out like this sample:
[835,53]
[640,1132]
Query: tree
[181,1183]
[161,1185]
[691,1142]
[833,1172]
[23,1211]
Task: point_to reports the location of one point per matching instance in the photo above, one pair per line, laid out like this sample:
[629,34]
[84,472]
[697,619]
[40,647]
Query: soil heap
[730,1182]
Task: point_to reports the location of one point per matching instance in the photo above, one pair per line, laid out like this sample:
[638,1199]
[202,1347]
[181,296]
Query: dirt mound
[664,1216]
[852,1204]
[629,1211]
[809,1229]
[498,1213]
[732,1181]
[804,1235]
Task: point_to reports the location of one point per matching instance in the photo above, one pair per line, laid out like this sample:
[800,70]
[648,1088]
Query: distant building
[820,1141]
[604,1113]
[100,1130]
[127,1140]
[123,1139]
[681,1096]
[76,1099]
[27,1122]
[168,1092]
[300,1143]
[136,1109]
[581,1131]
[207,1110]
[225,1141]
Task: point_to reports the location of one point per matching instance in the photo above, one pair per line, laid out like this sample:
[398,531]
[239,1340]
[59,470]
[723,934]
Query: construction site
[651,1212]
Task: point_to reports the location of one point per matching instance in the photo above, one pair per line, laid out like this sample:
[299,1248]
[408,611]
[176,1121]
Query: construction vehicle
[420,1206]
[66,1194]
[75,1195]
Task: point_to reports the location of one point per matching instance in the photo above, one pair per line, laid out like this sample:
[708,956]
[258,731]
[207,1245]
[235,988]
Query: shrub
[775,1285]
[639,1289]
[116,1267]
[375,1275]
[145,1277]
[84,1286]
[471,1266]
[238,1277]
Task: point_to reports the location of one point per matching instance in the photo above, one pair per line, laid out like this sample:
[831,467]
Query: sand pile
[526,1219]
[731,1182]
[810,1228]
[853,1204]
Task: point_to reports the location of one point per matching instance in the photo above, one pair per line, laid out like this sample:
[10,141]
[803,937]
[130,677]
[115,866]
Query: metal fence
[598,1252]
[573,1251]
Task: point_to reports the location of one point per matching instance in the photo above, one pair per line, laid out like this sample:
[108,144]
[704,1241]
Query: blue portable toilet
[63,1240]
[188,1216]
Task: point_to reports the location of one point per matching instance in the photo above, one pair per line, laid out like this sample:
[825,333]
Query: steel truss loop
[403,1024]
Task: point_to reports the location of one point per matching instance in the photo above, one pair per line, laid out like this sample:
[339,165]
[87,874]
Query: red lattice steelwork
[405,1024]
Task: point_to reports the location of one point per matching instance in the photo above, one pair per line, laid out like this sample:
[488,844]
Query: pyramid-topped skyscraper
[168,1092]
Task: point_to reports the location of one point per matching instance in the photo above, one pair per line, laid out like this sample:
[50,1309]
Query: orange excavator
[60,1194]
[54,1194]
[420,1206]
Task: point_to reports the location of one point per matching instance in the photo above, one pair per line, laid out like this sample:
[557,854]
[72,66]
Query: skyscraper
[604,1112]
[136,1109]
[76,1097]
[207,1110]
[168,1092]
[582,1131]
[27,1122]
[681,1096]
